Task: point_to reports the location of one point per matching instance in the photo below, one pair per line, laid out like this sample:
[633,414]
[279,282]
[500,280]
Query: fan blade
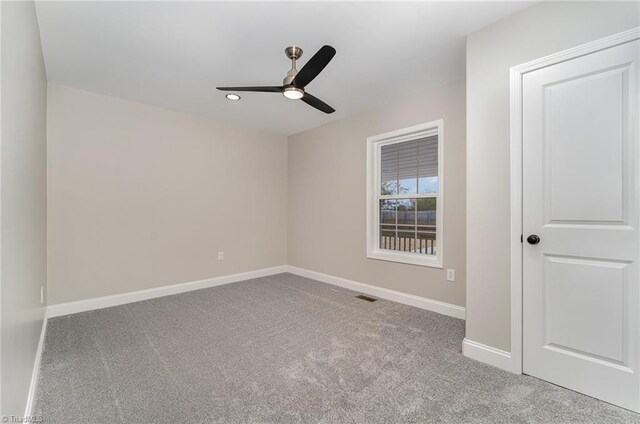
[317,103]
[314,66]
[272,89]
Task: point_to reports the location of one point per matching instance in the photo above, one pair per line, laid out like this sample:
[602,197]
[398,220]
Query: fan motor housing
[290,76]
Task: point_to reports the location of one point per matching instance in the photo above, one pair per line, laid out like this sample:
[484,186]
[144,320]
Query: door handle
[533,239]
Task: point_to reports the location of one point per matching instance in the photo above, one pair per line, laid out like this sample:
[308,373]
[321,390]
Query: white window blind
[410,167]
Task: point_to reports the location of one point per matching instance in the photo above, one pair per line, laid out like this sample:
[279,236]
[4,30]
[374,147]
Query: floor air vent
[367,298]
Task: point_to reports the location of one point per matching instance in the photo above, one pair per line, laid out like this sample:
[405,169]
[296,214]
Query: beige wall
[23,196]
[538,31]
[327,190]
[141,197]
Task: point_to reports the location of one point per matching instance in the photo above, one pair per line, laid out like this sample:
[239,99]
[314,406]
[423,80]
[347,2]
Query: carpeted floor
[284,349]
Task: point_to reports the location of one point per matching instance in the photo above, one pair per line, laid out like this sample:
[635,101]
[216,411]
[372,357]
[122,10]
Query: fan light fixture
[293,93]
[232,97]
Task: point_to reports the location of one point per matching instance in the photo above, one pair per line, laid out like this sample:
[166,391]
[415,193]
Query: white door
[581,197]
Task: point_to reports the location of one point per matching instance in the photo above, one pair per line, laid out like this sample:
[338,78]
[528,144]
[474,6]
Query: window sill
[412,259]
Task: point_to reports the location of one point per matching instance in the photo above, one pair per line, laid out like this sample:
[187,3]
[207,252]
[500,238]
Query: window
[404,195]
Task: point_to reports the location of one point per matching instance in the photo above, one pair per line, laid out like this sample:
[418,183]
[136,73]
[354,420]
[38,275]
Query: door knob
[533,239]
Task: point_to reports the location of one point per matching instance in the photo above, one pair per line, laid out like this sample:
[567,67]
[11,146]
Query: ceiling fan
[294,83]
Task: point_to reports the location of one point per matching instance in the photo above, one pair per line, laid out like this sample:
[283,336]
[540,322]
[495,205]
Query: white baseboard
[396,296]
[31,397]
[488,355]
[120,299]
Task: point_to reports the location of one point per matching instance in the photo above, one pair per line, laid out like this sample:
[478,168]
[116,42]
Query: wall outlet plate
[451,275]
[42,295]
[220,256]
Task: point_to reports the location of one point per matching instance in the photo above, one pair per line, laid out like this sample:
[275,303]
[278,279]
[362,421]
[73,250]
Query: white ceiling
[174,54]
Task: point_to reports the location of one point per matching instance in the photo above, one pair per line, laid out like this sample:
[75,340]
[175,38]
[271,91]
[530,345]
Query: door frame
[516,75]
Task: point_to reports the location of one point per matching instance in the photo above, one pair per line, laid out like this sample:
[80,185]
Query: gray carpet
[284,349]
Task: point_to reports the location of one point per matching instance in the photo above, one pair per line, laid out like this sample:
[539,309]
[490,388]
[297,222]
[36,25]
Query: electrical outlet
[42,295]
[451,275]
[220,256]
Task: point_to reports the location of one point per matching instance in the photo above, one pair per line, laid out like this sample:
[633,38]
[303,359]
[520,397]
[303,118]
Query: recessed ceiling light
[232,97]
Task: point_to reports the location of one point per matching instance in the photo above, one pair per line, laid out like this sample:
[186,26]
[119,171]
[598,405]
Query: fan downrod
[294,54]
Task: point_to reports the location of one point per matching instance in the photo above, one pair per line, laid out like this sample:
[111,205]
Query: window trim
[374,146]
